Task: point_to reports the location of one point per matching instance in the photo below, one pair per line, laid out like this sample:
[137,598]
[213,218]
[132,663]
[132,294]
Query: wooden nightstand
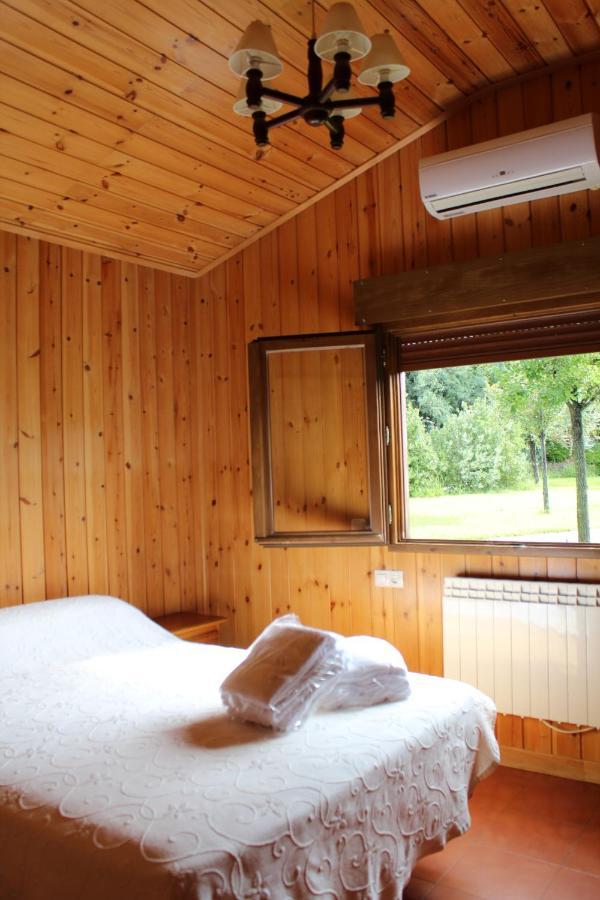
[192,627]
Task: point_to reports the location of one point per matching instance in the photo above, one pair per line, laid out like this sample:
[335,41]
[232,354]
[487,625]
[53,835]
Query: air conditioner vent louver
[544,162]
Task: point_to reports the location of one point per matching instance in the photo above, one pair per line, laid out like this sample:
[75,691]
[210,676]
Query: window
[505,451]
[317,438]
[503,448]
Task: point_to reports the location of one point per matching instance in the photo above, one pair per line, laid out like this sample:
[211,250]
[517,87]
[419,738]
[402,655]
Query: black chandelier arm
[327,91]
[281,95]
[285,117]
[315,71]
[355,103]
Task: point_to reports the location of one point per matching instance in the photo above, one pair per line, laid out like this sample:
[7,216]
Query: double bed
[123,778]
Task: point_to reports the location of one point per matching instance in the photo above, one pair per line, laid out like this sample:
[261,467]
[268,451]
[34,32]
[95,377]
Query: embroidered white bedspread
[121,778]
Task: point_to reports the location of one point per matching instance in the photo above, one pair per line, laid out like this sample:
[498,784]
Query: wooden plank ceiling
[117,132]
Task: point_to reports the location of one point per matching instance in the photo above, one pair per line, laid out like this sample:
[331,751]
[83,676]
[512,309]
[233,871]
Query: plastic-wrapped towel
[373,672]
[279,681]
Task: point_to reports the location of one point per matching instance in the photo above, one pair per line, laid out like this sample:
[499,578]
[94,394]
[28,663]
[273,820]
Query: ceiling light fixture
[342,40]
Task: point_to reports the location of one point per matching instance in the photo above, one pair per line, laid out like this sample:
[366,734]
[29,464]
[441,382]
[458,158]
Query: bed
[122,777]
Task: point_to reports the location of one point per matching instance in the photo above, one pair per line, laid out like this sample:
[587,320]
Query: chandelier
[342,40]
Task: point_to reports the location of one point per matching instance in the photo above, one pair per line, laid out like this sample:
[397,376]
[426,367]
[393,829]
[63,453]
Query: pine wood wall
[97,384]
[124,461]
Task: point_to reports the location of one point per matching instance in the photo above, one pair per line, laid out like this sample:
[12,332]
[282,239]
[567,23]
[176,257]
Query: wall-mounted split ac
[542,162]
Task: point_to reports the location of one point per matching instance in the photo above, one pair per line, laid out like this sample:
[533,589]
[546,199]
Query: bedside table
[193,627]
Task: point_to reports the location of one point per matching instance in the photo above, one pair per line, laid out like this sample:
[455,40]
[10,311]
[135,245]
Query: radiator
[533,646]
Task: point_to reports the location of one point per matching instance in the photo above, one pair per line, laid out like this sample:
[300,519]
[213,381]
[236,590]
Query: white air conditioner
[554,159]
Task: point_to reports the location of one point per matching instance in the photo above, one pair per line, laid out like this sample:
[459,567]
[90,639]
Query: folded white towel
[278,682]
[291,669]
[373,672]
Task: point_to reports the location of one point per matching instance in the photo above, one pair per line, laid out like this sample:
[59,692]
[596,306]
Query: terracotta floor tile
[417,889]
[497,791]
[443,892]
[495,874]
[585,853]
[568,801]
[568,884]
[431,868]
[532,836]
[537,836]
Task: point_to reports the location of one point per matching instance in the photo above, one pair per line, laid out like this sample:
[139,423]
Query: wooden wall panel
[124,457]
[11,573]
[29,421]
[98,484]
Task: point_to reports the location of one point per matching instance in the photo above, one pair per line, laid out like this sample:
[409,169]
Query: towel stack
[291,669]
[279,681]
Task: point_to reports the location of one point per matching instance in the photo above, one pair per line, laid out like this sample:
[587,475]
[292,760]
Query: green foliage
[438,393]
[593,458]
[563,470]
[468,426]
[574,378]
[423,464]
[529,394]
[479,449]
[557,452]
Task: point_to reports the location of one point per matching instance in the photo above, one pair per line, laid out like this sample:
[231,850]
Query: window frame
[376,533]
[443,348]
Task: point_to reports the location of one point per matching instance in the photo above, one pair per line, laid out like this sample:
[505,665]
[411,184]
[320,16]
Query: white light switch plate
[392,578]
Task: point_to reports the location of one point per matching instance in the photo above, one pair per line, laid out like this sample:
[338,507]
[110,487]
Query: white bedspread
[121,778]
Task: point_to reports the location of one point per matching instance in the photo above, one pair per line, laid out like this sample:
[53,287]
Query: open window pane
[318,434]
[504,451]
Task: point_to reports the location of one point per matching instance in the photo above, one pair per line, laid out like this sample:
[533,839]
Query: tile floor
[533,836]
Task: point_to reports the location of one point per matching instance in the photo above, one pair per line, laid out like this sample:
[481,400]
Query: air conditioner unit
[554,159]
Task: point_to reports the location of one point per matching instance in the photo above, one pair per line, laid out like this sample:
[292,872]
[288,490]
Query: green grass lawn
[503,515]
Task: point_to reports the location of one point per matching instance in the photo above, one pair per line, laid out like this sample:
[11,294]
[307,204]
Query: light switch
[391,578]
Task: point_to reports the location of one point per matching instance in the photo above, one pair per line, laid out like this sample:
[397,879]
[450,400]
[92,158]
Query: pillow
[55,632]
[279,680]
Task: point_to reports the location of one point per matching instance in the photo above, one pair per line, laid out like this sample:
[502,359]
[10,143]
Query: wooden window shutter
[543,336]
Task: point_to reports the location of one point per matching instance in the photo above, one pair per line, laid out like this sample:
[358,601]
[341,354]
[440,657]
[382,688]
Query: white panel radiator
[533,646]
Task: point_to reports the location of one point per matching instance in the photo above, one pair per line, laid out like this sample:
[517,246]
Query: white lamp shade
[267,104]
[256,50]
[384,62]
[347,113]
[342,32]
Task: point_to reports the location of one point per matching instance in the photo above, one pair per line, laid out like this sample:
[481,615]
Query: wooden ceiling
[117,131]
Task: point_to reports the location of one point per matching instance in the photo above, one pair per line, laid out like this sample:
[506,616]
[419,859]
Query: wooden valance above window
[543,286]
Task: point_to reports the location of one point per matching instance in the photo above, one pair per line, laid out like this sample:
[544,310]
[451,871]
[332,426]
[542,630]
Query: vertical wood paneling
[183,439]
[93,416]
[429,589]
[238,436]
[253,573]
[131,388]
[198,368]
[29,421]
[167,448]
[52,421]
[124,456]
[150,445]
[224,453]
[10,522]
[113,430]
[73,433]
